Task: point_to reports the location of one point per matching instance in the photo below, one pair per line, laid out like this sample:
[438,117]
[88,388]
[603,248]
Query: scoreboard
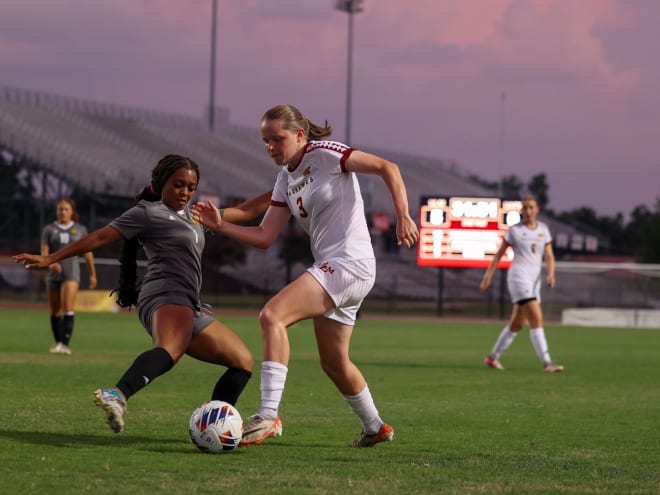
[463,232]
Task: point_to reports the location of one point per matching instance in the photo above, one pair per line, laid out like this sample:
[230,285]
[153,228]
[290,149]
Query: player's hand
[207,214]
[551,280]
[31,260]
[92,282]
[55,268]
[485,283]
[406,231]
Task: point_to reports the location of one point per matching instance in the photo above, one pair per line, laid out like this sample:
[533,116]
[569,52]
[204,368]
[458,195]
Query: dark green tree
[538,187]
[512,187]
[647,225]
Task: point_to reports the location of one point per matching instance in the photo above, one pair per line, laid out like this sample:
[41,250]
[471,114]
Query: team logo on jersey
[74,231]
[307,171]
[325,267]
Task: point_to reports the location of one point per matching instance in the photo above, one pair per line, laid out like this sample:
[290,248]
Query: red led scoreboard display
[464,232]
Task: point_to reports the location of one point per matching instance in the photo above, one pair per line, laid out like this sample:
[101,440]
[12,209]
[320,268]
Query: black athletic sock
[147,367]
[67,329]
[230,385]
[56,327]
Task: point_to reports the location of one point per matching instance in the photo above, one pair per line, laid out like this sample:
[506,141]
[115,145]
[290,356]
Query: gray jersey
[56,237]
[173,245]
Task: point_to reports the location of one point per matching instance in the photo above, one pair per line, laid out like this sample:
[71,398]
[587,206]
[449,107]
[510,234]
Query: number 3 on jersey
[301,208]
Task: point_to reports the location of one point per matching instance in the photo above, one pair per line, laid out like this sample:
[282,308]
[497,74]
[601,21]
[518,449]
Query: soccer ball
[216,427]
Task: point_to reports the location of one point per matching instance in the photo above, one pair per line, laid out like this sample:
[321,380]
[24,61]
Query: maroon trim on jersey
[344,157]
[326,145]
[291,168]
[277,203]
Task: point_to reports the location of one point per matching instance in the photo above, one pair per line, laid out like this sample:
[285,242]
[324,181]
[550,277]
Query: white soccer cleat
[259,429]
[114,406]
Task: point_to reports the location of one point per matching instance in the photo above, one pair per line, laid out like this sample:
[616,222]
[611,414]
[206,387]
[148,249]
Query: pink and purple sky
[581,77]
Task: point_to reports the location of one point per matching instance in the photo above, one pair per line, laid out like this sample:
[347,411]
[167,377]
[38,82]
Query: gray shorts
[54,280]
[148,306]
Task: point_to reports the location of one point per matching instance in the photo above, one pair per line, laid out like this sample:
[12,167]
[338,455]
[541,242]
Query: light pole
[500,185]
[214,22]
[351,7]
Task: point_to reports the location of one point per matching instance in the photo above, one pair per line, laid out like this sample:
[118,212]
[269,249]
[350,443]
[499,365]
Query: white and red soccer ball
[216,427]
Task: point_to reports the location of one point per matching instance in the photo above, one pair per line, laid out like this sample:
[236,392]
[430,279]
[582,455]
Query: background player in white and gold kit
[317,184]
[532,243]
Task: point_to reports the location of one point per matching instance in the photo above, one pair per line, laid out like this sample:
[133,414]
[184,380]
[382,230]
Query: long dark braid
[129,287]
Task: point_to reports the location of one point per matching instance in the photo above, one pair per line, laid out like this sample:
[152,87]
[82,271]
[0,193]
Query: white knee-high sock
[503,342]
[273,378]
[363,405]
[537,336]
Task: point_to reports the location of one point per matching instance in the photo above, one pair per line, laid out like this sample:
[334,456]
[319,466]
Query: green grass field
[460,427]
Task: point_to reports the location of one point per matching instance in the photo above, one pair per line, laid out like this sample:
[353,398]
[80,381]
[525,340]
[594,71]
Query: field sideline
[460,427]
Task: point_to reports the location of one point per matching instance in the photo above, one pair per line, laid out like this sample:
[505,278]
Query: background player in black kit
[63,278]
[168,298]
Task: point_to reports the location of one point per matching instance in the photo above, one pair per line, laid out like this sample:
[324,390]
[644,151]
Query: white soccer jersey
[524,277]
[325,199]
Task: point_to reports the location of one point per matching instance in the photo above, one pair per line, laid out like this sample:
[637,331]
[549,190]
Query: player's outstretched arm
[361,162]
[261,236]
[98,238]
[247,210]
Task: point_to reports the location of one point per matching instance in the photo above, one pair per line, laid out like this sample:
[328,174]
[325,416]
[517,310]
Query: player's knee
[334,367]
[269,320]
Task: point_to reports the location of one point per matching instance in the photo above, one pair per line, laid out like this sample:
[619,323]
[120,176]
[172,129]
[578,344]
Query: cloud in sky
[580,77]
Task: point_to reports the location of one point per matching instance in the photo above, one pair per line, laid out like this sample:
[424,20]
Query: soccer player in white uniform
[317,184]
[531,242]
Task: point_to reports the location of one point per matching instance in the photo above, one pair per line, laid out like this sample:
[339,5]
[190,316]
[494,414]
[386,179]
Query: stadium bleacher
[110,148]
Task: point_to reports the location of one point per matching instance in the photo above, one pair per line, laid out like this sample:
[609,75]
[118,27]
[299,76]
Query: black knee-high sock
[67,328]
[230,385]
[147,367]
[56,326]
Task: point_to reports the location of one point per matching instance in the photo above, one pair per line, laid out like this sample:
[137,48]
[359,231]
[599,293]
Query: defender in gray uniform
[63,278]
[168,297]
